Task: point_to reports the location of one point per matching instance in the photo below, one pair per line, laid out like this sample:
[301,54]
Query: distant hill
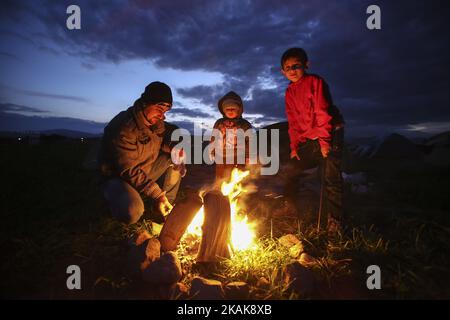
[438,149]
[441,139]
[71,133]
[396,147]
[61,132]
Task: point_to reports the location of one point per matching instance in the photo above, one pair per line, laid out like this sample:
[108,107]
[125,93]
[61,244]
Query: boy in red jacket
[315,132]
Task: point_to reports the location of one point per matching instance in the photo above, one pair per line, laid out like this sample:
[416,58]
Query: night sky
[391,80]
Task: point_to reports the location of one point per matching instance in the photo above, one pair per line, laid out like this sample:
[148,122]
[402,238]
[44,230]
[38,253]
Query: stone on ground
[263,283]
[307,260]
[288,240]
[165,270]
[206,289]
[177,291]
[296,250]
[237,290]
[143,250]
[299,278]
[139,238]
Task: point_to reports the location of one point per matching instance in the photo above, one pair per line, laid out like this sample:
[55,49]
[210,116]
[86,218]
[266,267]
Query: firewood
[216,229]
[178,220]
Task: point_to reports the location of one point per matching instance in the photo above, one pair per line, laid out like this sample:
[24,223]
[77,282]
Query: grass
[52,217]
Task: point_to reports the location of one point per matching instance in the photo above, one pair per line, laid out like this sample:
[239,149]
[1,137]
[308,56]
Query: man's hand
[325,151]
[181,168]
[178,156]
[295,155]
[163,205]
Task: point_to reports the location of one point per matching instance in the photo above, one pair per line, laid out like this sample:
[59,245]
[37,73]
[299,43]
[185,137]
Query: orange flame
[242,231]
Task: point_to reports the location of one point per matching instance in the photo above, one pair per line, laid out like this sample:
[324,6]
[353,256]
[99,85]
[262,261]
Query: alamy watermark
[73,21]
[373,22]
[234,146]
[374,280]
[74,279]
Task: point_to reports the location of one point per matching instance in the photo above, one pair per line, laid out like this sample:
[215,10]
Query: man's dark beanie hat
[157,92]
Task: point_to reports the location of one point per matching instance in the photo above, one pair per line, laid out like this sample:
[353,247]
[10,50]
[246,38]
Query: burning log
[178,220]
[216,230]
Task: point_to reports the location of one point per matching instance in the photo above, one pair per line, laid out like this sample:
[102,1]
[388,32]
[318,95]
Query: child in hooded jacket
[231,107]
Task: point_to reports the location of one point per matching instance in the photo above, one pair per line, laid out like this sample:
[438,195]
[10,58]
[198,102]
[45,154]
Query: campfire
[242,231]
[215,220]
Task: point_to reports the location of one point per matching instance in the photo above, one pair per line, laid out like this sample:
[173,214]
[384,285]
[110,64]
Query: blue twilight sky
[390,80]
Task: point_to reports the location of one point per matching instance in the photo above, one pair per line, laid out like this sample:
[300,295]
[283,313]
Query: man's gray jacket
[130,146]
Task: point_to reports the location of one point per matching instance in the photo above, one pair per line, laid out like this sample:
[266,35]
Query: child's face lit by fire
[231,111]
[293,69]
[155,112]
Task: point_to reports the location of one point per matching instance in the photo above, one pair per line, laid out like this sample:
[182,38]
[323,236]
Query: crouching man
[133,157]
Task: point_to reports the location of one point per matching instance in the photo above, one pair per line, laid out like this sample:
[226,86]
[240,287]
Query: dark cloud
[48,49]
[53,96]
[13,10]
[19,118]
[88,66]
[188,125]
[397,75]
[9,55]
[266,102]
[207,95]
[20,122]
[15,108]
[269,103]
[189,112]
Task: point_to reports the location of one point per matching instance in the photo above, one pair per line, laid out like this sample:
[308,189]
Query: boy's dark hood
[235,98]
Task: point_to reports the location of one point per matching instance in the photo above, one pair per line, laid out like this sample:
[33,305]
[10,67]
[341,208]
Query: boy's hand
[295,155]
[325,151]
[163,205]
